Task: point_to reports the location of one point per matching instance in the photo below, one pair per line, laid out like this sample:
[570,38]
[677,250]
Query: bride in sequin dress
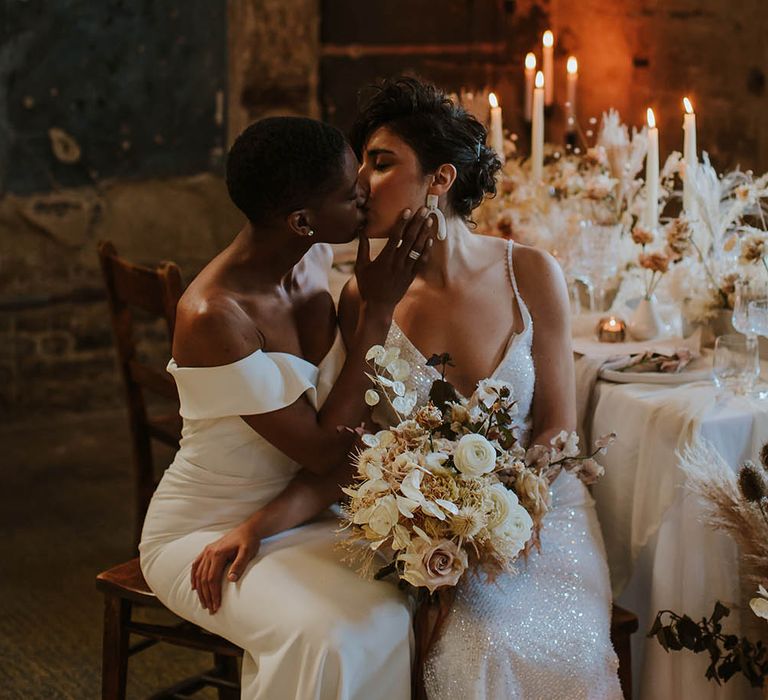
[500,310]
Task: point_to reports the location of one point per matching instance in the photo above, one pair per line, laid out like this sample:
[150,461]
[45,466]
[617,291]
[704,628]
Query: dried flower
[433,565]
[656,262]
[678,232]
[753,248]
[752,483]
[764,455]
[642,235]
[428,417]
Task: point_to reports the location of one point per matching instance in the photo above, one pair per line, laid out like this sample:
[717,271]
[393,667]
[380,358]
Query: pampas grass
[726,508]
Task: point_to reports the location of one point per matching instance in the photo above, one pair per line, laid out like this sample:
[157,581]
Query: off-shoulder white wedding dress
[542,633]
[311,627]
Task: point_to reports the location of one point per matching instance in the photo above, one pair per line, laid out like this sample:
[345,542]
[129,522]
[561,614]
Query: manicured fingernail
[233,577]
[429,243]
[429,222]
[406,214]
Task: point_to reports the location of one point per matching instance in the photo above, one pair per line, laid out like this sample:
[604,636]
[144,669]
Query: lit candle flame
[494,102]
[530,61]
[651,119]
[539,79]
[688,106]
[548,39]
[612,322]
[573,65]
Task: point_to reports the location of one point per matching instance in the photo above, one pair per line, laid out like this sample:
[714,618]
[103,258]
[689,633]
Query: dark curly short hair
[281,164]
[438,130]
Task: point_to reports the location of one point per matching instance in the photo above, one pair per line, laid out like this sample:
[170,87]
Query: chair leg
[623,649]
[114,660]
[227,669]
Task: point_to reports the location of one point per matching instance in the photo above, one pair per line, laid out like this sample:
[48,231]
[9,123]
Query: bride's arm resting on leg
[315,439]
[542,285]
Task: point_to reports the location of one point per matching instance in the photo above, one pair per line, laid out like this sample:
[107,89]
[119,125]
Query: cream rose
[474,455]
[502,502]
[433,564]
[518,526]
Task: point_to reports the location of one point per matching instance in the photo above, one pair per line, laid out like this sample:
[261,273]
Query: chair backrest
[155,291]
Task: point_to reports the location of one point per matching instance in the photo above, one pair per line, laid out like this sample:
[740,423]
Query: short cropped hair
[281,164]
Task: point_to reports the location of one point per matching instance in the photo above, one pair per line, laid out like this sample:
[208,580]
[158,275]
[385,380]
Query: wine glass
[736,364]
[745,294]
[599,258]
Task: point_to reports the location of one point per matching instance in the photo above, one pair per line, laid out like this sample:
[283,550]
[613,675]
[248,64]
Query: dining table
[661,554]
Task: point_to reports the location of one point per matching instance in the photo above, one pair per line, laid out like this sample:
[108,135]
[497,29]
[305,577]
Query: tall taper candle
[530,73]
[652,174]
[548,61]
[570,104]
[497,132]
[689,154]
[537,130]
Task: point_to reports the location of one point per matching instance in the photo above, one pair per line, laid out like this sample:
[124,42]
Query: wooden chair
[156,292]
[623,625]
[124,587]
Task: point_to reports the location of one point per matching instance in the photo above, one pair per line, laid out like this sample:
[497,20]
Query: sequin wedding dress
[542,633]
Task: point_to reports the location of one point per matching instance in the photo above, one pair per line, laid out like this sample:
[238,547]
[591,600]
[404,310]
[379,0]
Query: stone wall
[56,348]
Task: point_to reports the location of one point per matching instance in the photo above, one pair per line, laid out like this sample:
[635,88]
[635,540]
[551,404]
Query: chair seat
[127,581]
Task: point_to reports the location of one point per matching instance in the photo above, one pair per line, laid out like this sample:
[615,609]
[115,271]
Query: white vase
[645,324]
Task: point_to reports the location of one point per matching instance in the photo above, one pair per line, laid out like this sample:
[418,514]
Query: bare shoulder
[539,278]
[535,267]
[212,329]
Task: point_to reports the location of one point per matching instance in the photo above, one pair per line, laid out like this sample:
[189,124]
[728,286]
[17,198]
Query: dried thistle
[764,455]
[752,483]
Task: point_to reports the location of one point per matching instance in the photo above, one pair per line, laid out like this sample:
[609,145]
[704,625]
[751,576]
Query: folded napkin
[664,354]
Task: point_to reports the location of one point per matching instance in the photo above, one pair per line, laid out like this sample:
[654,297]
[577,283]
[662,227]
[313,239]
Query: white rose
[502,502]
[474,455]
[384,515]
[518,526]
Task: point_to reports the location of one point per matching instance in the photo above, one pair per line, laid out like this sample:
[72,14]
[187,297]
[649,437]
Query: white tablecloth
[659,553]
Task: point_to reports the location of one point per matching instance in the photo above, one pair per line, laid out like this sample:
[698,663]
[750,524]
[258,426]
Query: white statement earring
[442,233]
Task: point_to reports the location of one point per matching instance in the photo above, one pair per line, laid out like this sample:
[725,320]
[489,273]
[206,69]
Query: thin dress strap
[524,313]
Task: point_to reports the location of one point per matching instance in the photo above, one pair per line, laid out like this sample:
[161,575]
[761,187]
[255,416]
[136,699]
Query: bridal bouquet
[449,488]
